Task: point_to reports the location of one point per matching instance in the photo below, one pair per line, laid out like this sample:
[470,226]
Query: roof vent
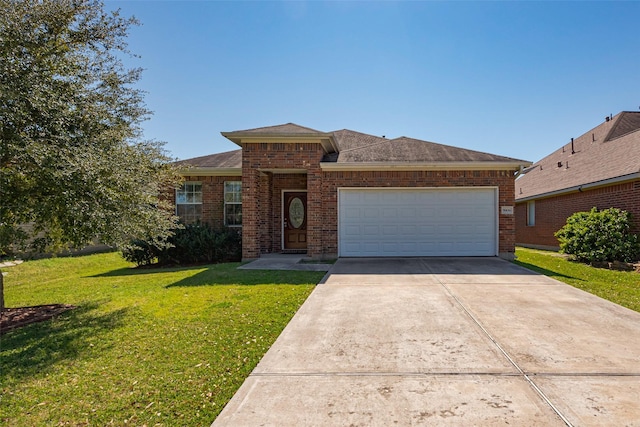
[559,164]
[572,150]
[606,119]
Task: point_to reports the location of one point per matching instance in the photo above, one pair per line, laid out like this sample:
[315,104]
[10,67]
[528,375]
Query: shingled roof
[286,129]
[229,159]
[610,151]
[353,147]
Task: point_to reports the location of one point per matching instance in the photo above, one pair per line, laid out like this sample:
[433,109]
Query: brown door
[295,221]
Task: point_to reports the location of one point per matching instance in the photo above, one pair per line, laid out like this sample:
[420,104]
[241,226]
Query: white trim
[224,203]
[283,171]
[201,203]
[306,213]
[195,171]
[496,198]
[531,213]
[414,166]
[589,186]
[326,140]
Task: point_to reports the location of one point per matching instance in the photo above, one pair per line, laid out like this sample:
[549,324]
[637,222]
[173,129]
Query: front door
[295,221]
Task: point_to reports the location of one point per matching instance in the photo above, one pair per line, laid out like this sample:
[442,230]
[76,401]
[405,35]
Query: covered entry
[376,222]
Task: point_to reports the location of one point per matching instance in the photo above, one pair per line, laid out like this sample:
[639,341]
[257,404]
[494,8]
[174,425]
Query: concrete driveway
[449,341]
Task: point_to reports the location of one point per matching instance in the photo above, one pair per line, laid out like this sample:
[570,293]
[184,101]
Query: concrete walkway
[455,341]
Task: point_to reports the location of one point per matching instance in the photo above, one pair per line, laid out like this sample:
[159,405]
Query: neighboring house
[598,169]
[345,193]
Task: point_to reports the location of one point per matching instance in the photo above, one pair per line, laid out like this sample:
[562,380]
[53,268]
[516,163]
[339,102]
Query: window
[531,213]
[233,203]
[189,202]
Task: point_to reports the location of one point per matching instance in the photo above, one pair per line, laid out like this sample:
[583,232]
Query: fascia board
[196,171]
[325,139]
[383,166]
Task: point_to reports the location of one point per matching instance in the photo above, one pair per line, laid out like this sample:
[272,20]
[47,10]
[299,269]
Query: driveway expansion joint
[535,387]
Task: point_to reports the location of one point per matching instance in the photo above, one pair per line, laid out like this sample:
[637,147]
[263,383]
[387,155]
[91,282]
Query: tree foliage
[73,164]
[599,236]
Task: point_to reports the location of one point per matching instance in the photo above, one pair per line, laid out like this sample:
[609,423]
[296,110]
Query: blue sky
[512,78]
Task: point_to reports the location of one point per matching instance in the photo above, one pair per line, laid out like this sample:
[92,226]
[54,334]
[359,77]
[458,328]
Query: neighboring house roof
[348,149]
[607,154]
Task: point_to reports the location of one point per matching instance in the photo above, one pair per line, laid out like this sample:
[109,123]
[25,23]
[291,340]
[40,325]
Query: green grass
[150,347]
[620,287]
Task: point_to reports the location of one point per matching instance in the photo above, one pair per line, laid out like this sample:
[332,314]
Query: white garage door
[417,222]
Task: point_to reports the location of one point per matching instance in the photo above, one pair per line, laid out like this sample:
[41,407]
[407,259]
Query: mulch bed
[12,318]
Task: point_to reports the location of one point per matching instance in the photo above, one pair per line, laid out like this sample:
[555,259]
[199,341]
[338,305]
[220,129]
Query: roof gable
[627,122]
[607,152]
[285,129]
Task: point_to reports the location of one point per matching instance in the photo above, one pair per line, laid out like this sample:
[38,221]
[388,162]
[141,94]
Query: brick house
[601,169]
[345,193]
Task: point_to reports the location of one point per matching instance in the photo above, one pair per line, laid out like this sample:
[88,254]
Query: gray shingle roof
[229,159]
[354,147]
[287,128]
[357,147]
[610,150]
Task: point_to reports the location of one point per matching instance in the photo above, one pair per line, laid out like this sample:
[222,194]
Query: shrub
[140,252]
[599,236]
[190,244]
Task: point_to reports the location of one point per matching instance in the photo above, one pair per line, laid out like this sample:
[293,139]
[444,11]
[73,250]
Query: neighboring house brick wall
[552,212]
[331,181]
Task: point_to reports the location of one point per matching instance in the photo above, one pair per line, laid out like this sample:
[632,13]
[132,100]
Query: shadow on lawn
[33,349]
[550,273]
[137,271]
[213,276]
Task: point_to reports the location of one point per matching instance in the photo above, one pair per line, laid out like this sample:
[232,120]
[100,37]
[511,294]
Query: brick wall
[262,195]
[212,197]
[551,213]
[261,191]
[331,181]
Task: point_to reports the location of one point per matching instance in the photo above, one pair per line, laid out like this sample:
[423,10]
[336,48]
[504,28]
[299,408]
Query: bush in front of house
[599,236]
[141,252]
[191,244]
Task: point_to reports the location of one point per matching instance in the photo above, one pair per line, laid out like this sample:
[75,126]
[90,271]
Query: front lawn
[143,347]
[620,287]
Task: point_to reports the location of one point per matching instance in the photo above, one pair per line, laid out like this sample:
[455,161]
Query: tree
[73,163]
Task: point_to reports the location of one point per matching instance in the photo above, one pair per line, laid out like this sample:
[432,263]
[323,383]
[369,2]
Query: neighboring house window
[531,213]
[189,202]
[233,203]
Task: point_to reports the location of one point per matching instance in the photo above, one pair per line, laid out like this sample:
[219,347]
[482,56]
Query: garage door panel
[417,222]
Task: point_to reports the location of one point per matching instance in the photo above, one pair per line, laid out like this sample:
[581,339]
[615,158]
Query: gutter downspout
[519,172]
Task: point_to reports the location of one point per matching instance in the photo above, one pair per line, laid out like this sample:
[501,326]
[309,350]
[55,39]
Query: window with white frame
[189,202]
[531,213]
[233,203]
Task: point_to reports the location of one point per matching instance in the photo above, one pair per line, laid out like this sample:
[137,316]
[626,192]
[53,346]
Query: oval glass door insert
[296,213]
